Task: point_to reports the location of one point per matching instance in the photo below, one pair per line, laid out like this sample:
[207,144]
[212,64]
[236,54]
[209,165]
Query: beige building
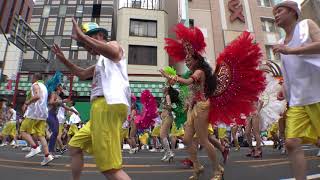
[311,10]
[11,55]
[223,20]
[141,29]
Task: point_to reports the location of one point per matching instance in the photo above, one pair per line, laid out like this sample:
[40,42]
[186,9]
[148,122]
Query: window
[27,15]
[96,9]
[268,25]
[136,4]
[79,11]
[21,7]
[46,11]
[51,27]
[142,55]
[62,11]
[34,24]
[191,22]
[82,55]
[67,26]
[28,55]
[57,40]
[143,28]
[270,54]
[74,45]
[264,3]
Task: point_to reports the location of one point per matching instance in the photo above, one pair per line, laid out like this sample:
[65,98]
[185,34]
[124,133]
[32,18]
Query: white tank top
[301,74]
[39,109]
[14,115]
[113,80]
[61,115]
[74,119]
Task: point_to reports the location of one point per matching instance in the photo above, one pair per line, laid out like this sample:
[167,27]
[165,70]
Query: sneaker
[145,147]
[165,156]
[62,151]
[33,152]
[4,144]
[13,143]
[46,160]
[153,150]
[161,150]
[283,151]
[318,154]
[56,156]
[133,150]
[26,149]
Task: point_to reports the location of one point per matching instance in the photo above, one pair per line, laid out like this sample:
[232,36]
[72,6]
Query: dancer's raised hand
[57,51]
[77,33]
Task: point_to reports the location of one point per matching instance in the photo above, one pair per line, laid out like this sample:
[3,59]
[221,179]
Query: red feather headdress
[189,41]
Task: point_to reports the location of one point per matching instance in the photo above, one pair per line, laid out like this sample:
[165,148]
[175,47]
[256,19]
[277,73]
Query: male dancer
[110,97]
[36,114]
[300,57]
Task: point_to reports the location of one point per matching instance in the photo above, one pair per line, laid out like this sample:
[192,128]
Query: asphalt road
[147,165]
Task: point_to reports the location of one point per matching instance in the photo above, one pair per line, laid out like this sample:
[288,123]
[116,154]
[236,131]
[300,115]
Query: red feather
[239,80]
[194,36]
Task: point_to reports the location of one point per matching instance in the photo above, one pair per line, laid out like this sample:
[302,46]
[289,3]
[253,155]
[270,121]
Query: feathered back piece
[178,107]
[170,70]
[149,110]
[53,82]
[181,111]
[189,41]
[239,82]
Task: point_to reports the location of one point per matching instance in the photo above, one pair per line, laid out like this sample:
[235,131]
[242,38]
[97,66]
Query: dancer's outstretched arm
[111,50]
[78,71]
[173,79]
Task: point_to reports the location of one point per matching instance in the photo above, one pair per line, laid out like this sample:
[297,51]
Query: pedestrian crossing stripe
[314,176]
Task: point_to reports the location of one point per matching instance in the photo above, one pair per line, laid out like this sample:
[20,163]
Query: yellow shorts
[304,122]
[124,134]
[273,129]
[144,138]
[26,126]
[156,131]
[34,127]
[73,130]
[175,131]
[210,129]
[222,133]
[101,135]
[9,129]
[61,128]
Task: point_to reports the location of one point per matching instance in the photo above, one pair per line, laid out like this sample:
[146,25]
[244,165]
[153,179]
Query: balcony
[142,4]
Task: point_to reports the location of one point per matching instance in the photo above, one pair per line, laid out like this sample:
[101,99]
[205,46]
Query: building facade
[221,21]
[310,10]
[10,56]
[52,19]
[8,9]
[141,29]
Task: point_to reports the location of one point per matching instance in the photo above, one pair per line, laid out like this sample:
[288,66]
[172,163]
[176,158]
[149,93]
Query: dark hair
[10,105]
[38,76]
[211,79]
[104,33]
[59,85]
[174,95]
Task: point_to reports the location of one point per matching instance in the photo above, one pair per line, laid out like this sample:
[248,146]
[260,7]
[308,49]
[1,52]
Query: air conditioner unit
[136,4]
